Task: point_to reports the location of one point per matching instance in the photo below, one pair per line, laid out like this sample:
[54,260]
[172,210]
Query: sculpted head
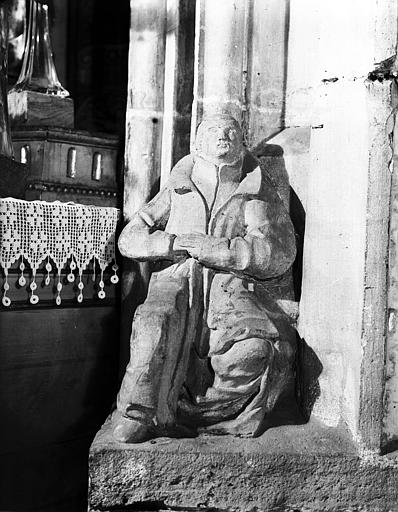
[219,139]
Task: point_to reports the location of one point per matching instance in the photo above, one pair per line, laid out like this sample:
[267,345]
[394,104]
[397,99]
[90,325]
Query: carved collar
[250,183]
[224,173]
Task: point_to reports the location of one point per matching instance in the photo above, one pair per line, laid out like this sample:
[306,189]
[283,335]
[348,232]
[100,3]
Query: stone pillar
[144,116]
[269,29]
[144,121]
[178,87]
[221,51]
[390,423]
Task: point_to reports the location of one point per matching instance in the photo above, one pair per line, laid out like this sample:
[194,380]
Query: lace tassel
[115,277]
[71,276]
[47,281]
[101,293]
[58,299]
[22,280]
[80,286]
[6,301]
[34,299]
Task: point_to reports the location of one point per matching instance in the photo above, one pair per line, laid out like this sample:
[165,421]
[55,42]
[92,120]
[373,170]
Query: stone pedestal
[307,467]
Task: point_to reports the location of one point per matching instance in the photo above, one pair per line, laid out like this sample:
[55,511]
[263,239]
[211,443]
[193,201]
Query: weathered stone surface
[390,423]
[267,68]
[306,467]
[220,59]
[178,83]
[144,111]
[342,311]
[340,41]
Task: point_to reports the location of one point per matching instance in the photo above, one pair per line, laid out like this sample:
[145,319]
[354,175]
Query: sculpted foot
[127,430]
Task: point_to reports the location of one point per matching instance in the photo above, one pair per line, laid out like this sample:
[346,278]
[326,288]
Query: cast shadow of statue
[296,403]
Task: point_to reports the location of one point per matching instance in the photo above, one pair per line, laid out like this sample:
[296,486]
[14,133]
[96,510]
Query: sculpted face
[219,139]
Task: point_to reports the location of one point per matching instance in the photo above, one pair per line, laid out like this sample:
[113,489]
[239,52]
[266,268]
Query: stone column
[221,51]
[178,87]
[390,424]
[268,54]
[144,121]
[144,116]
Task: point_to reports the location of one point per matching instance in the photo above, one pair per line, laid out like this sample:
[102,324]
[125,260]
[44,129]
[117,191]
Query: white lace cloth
[56,234]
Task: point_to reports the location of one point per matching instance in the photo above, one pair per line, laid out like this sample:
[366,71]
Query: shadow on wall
[273,163]
[308,365]
[294,407]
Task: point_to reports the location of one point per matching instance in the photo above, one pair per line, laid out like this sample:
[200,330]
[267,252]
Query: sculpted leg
[146,403]
[248,379]
[257,369]
[237,378]
[239,369]
[164,328]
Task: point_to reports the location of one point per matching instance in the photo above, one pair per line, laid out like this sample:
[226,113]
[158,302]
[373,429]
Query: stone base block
[38,109]
[290,468]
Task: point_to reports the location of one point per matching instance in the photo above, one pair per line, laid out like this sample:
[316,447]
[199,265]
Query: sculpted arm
[266,250]
[143,237]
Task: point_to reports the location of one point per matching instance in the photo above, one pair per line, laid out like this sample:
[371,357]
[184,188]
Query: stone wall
[340,84]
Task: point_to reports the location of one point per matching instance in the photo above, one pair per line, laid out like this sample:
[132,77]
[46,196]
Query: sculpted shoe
[129,430]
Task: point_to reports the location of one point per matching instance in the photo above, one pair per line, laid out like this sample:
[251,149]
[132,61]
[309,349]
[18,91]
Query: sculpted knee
[246,358]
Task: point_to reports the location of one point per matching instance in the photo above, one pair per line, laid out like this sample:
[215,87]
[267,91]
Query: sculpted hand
[191,243]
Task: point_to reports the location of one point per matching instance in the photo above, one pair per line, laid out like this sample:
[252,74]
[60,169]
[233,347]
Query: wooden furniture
[13,177]
[69,165]
[58,378]
[58,375]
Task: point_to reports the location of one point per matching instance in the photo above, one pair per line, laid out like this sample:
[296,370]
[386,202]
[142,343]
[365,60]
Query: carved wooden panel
[70,165]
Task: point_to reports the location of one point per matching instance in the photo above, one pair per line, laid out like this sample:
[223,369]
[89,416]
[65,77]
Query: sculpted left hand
[191,242]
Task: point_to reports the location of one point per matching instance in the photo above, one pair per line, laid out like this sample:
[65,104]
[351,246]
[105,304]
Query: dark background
[97,53]
[59,366]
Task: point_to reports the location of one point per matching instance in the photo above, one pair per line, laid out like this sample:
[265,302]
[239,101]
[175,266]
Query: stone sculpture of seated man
[210,348]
